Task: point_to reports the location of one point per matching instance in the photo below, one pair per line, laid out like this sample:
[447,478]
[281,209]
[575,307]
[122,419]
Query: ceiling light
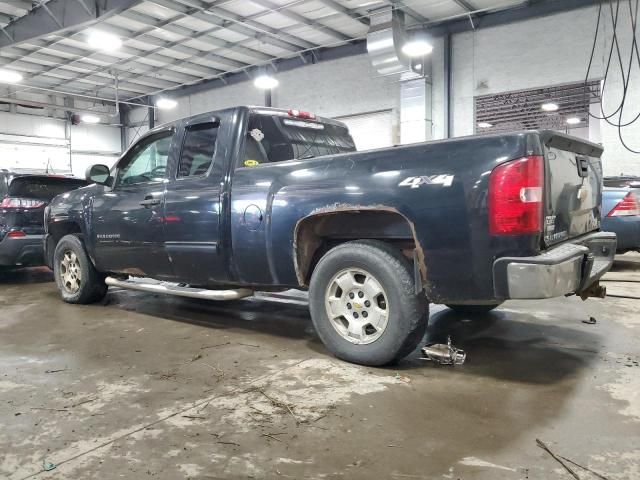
[417,48]
[166,104]
[90,118]
[485,125]
[9,76]
[549,107]
[104,41]
[574,120]
[265,82]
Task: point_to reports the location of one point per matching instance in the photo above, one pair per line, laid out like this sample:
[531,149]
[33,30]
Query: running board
[166,288]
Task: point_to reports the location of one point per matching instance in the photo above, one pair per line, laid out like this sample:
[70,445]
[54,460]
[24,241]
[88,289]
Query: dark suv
[23,198]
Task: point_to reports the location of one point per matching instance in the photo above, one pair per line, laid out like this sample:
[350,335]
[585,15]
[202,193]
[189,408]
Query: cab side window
[147,161]
[198,149]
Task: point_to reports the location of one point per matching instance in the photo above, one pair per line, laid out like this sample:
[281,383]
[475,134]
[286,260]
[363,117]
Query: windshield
[272,138]
[43,188]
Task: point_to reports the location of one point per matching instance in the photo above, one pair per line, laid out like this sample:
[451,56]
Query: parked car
[621,215]
[622,181]
[251,198]
[22,202]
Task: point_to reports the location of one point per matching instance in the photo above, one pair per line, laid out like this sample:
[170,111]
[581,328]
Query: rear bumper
[21,251]
[563,270]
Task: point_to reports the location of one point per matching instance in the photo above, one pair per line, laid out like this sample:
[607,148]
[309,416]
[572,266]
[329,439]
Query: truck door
[192,208]
[128,219]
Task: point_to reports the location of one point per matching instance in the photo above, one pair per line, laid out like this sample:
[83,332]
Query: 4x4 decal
[415,182]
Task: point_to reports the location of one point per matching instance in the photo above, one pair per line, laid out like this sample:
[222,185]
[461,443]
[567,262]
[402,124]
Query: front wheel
[474,309]
[76,277]
[363,303]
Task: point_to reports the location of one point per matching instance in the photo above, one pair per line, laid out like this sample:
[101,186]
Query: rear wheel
[474,309]
[77,279]
[363,303]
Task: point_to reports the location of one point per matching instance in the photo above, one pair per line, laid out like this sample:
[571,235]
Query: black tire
[408,313]
[91,285]
[472,310]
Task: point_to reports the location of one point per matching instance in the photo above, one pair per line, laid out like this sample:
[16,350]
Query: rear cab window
[198,149]
[43,188]
[277,137]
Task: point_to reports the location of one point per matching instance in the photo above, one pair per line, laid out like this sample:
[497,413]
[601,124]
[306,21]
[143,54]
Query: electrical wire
[626,76]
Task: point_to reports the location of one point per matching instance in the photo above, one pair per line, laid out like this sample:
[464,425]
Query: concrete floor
[150,386]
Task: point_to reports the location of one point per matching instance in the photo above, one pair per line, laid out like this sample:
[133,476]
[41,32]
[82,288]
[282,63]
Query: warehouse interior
[142,384]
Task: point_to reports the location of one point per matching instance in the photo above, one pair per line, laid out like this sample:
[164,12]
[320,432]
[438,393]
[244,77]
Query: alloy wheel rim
[357,306]
[70,272]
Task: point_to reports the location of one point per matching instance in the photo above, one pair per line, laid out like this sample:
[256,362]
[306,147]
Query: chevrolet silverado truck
[226,203]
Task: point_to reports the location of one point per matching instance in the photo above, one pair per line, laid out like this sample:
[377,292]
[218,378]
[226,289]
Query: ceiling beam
[346,11]
[465,5]
[217,16]
[57,16]
[296,17]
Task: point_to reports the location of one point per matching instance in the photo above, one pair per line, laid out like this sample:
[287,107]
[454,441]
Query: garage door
[24,153]
[370,130]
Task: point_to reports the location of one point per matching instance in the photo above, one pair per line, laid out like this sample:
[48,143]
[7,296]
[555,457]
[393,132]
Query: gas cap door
[253,217]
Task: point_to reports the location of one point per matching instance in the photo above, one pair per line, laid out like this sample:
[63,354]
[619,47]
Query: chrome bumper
[566,269]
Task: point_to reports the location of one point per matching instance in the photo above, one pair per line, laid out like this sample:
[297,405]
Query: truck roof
[251,108]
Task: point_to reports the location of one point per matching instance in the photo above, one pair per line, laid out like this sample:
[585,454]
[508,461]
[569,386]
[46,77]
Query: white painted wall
[541,52]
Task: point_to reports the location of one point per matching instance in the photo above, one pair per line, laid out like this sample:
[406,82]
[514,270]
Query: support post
[448,100]
[123,129]
[152,115]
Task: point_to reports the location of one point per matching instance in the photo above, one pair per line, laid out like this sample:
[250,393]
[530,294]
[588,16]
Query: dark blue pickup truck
[222,204]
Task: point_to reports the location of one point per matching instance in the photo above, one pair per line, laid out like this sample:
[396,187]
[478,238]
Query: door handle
[150,201]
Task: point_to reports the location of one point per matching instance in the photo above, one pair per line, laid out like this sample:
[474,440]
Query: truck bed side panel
[439,187]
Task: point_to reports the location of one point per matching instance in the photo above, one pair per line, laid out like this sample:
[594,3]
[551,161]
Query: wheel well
[56,232]
[317,234]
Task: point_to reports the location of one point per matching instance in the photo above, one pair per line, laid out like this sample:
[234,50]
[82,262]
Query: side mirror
[98,174]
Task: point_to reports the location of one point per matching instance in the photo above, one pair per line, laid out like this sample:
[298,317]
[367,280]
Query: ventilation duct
[385,39]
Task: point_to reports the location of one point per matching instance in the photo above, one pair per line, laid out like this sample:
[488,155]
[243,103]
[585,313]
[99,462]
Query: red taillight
[515,197]
[16,234]
[626,207]
[300,114]
[14,202]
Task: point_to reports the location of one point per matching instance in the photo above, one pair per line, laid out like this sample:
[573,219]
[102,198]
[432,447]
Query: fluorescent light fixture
[485,125]
[265,82]
[417,48]
[574,120]
[549,107]
[87,118]
[104,41]
[166,104]
[9,76]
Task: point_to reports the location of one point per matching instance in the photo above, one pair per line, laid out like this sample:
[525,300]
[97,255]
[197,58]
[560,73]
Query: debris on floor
[48,466]
[442,354]
[564,460]
[591,321]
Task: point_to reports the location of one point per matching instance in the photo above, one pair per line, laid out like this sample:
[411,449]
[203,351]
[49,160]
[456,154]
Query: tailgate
[573,190]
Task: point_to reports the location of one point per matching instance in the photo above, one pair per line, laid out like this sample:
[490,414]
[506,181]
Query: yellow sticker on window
[251,163]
